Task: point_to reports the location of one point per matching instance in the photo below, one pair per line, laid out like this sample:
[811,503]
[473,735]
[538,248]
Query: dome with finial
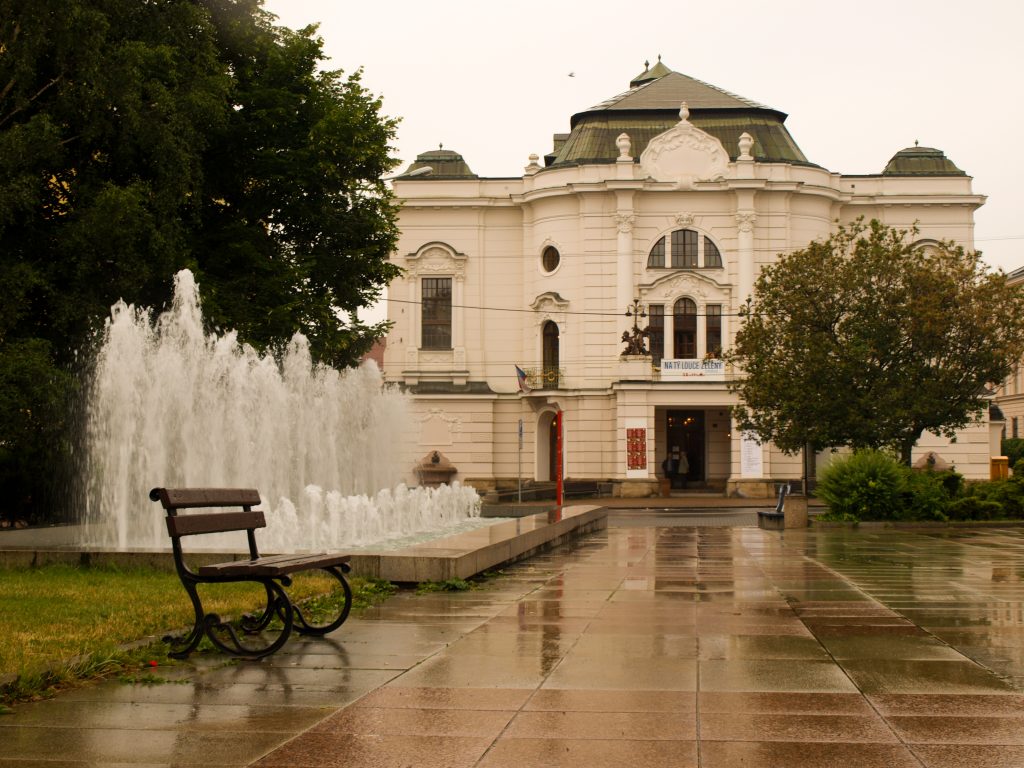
[921,161]
[650,73]
[651,106]
[444,164]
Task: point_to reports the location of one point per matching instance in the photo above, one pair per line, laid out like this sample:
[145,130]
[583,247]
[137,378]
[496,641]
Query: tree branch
[33,98]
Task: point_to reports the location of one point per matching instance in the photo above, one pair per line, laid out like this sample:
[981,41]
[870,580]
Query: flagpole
[519,468]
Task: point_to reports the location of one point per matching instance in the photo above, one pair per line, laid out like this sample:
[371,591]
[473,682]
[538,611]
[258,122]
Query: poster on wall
[751,456]
[636,448]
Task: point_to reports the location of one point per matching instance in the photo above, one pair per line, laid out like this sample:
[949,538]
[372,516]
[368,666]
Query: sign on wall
[673,369]
[751,456]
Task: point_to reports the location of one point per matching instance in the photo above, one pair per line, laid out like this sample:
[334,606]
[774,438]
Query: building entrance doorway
[685,429]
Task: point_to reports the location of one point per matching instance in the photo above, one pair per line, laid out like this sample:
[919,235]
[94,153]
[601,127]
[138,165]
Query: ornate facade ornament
[436,259]
[624,222]
[745,221]
[684,154]
[454,422]
[684,219]
[624,145]
[549,302]
[534,166]
[693,284]
[746,143]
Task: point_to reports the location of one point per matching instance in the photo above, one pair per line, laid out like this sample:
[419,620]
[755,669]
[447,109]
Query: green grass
[61,624]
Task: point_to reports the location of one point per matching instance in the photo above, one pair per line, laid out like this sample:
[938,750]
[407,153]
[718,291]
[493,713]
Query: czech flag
[521,378]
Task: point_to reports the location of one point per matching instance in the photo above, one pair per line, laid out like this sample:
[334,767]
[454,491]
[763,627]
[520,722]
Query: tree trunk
[906,451]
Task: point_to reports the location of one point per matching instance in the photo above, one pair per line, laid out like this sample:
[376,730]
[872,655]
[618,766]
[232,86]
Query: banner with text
[682,370]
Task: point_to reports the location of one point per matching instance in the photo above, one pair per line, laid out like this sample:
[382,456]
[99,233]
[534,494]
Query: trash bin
[664,486]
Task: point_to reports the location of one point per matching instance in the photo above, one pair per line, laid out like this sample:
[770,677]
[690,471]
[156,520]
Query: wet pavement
[656,642]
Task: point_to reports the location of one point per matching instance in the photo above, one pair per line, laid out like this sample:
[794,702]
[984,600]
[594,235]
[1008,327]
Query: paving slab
[647,644]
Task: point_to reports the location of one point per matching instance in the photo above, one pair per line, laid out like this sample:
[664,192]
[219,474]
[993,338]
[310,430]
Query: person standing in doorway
[682,465]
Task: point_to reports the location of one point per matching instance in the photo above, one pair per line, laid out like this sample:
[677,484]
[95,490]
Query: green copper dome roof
[921,161]
[444,163]
[651,106]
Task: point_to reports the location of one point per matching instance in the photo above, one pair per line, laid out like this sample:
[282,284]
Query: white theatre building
[672,194]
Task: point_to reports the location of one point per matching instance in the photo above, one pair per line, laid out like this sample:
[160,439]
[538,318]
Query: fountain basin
[459,556]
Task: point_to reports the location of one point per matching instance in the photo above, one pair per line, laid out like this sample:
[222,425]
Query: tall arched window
[684,333]
[550,353]
[684,249]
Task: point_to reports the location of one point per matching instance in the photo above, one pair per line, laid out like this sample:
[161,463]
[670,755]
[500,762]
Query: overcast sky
[859,81]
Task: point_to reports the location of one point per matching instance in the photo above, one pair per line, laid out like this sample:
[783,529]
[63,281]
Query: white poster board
[751,456]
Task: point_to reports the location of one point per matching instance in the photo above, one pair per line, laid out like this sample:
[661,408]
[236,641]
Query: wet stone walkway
[649,644]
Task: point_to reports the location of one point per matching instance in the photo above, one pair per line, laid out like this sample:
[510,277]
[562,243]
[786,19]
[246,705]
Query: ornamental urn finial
[624,145]
[746,143]
[684,112]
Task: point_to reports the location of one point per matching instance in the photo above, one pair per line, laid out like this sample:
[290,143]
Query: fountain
[172,406]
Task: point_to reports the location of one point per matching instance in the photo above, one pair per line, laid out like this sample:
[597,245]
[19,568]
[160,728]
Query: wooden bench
[273,573]
[775,520]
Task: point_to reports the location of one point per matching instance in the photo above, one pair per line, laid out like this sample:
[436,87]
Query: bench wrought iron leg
[223,635]
[182,647]
[257,622]
[307,626]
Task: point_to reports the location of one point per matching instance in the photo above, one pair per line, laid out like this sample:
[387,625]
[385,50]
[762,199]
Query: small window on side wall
[550,259]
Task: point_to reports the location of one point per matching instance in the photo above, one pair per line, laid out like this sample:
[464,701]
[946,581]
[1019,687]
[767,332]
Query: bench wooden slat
[190,498]
[275,565]
[214,522]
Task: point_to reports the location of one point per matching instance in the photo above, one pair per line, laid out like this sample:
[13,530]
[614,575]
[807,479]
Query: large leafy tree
[141,137]
[868,339]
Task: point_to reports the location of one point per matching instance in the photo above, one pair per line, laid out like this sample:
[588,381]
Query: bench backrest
[783,490]
[174,499]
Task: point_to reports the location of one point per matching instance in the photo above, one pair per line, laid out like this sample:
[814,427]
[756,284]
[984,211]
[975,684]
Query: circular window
[550,258]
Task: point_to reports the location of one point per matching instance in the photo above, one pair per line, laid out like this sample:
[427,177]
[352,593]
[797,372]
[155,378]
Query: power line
[561,312]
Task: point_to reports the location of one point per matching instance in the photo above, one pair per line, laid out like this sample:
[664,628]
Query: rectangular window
[684,248]
[713,330]
[656,331]
[1014,427]
[685,332]
[437,313]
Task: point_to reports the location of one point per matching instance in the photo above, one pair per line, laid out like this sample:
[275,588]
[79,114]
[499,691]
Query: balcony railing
[545,377]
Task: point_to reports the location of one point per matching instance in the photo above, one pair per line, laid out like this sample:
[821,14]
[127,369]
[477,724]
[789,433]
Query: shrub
[926,495]
[1013,449]
[974,508]
[867,485]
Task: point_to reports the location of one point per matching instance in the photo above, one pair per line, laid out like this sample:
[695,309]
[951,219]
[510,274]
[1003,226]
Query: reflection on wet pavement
[641,645]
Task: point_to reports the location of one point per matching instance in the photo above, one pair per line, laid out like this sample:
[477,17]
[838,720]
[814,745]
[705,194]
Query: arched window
[684,332]
[657,258]
[712,257]
[550,352]
[686,250]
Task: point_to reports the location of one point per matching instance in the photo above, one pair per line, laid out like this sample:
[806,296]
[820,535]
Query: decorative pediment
[677,284]
[684,154]
[436,259]
[549,302]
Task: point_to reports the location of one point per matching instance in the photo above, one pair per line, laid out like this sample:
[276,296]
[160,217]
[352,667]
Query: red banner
[636,448]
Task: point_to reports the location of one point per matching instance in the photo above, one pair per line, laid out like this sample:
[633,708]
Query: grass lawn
[60,623]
